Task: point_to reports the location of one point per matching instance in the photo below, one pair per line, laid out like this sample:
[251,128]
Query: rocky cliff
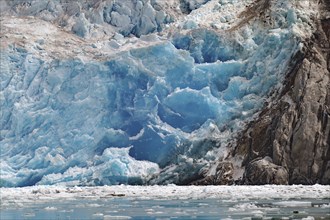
[289,143]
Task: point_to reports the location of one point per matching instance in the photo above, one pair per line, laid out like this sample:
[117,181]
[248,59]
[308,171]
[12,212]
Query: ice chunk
[293,203]
[189,109]
[189,5]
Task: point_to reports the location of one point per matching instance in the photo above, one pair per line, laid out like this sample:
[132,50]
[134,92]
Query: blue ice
[124,119]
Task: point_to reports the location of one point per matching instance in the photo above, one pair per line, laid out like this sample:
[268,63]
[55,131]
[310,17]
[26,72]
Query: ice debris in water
[125,117]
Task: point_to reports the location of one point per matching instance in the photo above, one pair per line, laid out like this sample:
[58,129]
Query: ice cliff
[138,91]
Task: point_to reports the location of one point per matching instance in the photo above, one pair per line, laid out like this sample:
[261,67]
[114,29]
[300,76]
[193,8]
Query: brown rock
[295,130]
[263,171]
[223,175]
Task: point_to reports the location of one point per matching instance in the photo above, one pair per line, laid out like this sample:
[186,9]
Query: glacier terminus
[138,91]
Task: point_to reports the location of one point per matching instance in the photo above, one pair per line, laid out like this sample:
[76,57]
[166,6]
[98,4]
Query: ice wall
[168,105]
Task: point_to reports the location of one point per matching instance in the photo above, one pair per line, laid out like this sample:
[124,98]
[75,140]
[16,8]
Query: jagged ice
[159,109]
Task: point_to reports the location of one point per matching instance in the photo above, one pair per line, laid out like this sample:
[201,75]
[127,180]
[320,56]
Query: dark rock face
[223,175]
[289,143]
[294,132]
[263,171]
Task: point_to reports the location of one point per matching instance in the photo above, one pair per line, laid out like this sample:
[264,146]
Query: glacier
[158,102]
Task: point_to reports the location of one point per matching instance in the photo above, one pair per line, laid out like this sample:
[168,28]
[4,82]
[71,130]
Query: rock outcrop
[223,175]
[294,132]
[264,171]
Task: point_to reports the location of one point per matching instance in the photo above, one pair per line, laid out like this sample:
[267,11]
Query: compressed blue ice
[127,117]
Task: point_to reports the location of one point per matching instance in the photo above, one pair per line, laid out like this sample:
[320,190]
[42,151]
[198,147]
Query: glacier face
[165,108]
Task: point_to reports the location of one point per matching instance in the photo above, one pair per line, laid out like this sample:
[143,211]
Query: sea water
[121,207]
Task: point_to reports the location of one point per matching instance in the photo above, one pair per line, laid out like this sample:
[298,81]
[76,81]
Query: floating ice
[171,201]
[293,204]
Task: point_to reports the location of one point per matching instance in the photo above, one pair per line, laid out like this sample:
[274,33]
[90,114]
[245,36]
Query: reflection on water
[133,208]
